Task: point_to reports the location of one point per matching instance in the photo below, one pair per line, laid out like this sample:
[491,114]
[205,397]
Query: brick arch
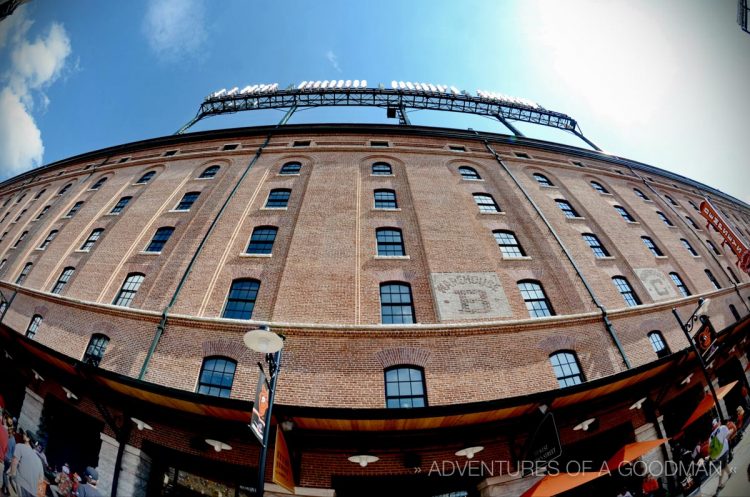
[42,310]
[223,348]
[403,355]
[558,342]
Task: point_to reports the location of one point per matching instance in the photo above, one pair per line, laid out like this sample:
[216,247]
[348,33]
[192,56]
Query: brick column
[31,411]
[134,473]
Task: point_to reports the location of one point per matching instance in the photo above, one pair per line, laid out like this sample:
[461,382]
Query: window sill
[500,213]
[145,252]
[649,201]
[383,175]
[243,254]
[470,179]
[178,210]
[395,257]
[553,187]
[696,256]
[204,179]
[577,218]
[386,209]
[39,249]
[79,251]
[521,258]
[605,258]
[288,174]
[606,194]
[273,208]
[138,184]
[112,214]
[634,223]
[673,227]
[661,257]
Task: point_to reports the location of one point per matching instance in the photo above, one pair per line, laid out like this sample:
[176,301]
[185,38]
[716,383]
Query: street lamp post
[266,342]
[700,314]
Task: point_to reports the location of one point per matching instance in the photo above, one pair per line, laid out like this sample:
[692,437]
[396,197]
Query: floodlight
[401,85]
[363,459]
[455,90]
[409,85]
[220,93]
[433,88]
[246,90]
[363,83]
[348,83]
[418,86]
[253,88]
[394,85]
[232,91]
[325,84]
[356,83]
[316,85]
[274,87]
[340,83]
[302,85]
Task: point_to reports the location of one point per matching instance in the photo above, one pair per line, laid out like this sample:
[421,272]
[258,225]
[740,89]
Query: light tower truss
[400,97]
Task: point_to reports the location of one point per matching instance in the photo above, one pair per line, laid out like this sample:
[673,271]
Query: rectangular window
[712,279]
[508,243]
[567,209]
[120,205]
[129,288]
[664,218]
[301,143]
[378,144]
[63,280]
[92,239]
[536,300]
[241,299]
[261,241]
[390,242]
[404,388]
[596,245]
[76,208]
[160,239]
[486,203]
[651,246]
[627,292]
[385,199]
[624,214]
[278,199]
[187,201]
[396,305]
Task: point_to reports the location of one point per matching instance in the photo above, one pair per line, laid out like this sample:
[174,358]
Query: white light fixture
[638,404]
[302,85]
[262,340]
[70,394]
[37,376]
[469,452]
[704,308]
[363,459]
[710,365]
[363,83]
[141,424]
[584,425]
[8,356]
[287,425]
[732,349]
[217,445]
[687,379]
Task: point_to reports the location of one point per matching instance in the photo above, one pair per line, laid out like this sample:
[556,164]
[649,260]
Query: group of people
[24,465]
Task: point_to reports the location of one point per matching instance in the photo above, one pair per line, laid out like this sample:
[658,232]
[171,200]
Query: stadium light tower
[743,11]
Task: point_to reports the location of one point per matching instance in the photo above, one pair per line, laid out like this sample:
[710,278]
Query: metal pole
[274,365]
[508,125]
[685,330]
[580,135]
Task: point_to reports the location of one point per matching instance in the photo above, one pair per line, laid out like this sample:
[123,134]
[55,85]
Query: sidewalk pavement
[739,484]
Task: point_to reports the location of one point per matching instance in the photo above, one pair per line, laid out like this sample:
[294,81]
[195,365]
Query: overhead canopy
[631,452]
[707,403]
[552,485]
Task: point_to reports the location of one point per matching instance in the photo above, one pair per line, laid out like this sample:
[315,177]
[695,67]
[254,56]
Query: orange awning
[707,403]
[552,485]
[631,452]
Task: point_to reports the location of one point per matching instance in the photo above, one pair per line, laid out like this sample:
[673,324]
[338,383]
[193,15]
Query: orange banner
[283,474]
[731,238]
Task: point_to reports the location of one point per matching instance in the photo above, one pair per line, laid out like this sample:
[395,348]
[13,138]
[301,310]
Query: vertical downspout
[163,323]
[607,323]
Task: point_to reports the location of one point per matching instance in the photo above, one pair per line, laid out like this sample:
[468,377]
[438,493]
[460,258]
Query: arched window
[396,306]
[187,201]
[129,288]
[567,368]
[24,273]
[712,279]
[241,299]
[651,246]
[469,173]
[567,209]
[405,387]
[542,180]
[99,183]
[536,300]
[48,240]
[209,172]
[20,239]
[95,349]
[145,178]
[217,376]
[624,214]
[74,209]
[664,218]
[640,194]
[485,202]
[679,284]
[658,343]
[278,198]
[92,239]
[160,239]
[63,279]
[291,168]
[598,187]
[120,205]
[381,169]
[261,241]
[43,212]
[627,292]
[689,247]
[385,199]
[508,243]
[33,326]
[596,245]
[390,242]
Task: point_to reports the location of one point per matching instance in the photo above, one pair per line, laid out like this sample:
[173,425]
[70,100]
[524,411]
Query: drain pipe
[163,323]
[605,318]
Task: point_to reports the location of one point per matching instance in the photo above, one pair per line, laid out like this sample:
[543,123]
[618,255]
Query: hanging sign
[731,238]
[260,409]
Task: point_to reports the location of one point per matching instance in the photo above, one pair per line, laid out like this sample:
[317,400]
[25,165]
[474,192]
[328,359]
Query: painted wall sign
[469,296]
[657,284]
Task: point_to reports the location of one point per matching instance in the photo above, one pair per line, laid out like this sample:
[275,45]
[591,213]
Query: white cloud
[175,29]
[21,146]
[333,59]
[34,66]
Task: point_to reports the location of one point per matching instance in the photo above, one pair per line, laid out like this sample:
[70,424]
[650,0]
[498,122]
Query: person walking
[64,484]
[718,447]
[27,467]
[89,489]
[8,455]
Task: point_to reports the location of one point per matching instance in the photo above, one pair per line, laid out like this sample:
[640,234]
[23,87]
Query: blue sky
[664,83]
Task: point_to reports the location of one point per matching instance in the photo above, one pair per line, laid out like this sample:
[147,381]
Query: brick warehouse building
[473,277]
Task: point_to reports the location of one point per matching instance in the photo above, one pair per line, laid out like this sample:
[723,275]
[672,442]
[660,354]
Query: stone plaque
[658,286]
[469,296]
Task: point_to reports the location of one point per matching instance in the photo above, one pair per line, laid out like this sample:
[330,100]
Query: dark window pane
[396,303]
[404,387]
[241,299]
[261,241]
[216,376]
[278,198]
